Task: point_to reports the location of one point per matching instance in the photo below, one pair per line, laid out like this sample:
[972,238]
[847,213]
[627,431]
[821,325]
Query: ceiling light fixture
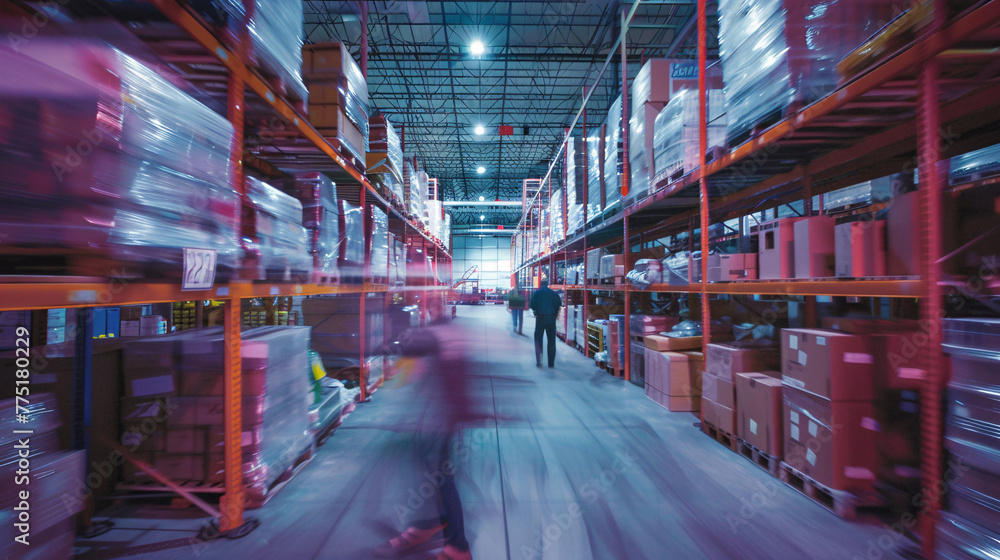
[480,170]
[477,48]
[480,130]
[482,198]
[482,217]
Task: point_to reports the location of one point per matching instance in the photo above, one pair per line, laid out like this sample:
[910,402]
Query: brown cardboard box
[726,360]
[833,443]
[829,364]
[897,360]
[722,417]
[674,403]
[662,343]
[719,390]
[759,412]
[674,373]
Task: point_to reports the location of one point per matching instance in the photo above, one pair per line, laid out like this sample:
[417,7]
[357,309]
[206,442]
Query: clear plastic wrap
[556,217]
[276,34]
[958,539]
[779,52]
[595,177]
[281,239]
[321,218]
[385,145]
[380,244]
[352,235]
[976,165]
[612,157]
[100,153]
[675,133]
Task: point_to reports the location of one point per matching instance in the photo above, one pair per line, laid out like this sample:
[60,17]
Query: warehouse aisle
[574,464]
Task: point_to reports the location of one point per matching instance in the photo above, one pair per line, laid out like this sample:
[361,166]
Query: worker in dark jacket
[545,303]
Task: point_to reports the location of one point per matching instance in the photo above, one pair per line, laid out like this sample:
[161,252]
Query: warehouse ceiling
[538,57]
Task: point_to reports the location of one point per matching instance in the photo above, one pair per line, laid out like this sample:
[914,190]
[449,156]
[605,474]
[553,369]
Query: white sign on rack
[199,269]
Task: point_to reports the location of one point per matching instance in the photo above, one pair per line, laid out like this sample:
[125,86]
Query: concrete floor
[573,464]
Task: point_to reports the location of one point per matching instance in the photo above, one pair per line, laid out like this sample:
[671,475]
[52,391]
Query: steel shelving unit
[888,118]
[248,94]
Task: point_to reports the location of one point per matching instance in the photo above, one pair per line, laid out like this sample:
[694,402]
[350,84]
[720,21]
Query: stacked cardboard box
[321,218]
[722,365]
[280,244]
[593,266]
[52,488]
[338,96]
[612,266]
[336,325]
[641,325]
[829,392]
[662,343]
[673,379]
[385,156]
[759,411]
[173,414]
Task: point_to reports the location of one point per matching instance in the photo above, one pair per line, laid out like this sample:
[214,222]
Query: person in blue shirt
[545,303]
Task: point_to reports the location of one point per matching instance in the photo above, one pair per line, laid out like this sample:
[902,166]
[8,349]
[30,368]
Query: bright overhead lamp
[477,48]
[480,170]
[482,198]
[480,130]
[482,217]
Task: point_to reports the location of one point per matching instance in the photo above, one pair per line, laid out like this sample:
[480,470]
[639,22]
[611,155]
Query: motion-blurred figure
[432,371]
[515,304]
[545,303]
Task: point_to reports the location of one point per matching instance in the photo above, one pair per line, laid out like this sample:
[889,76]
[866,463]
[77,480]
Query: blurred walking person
[545,303]
[515,304]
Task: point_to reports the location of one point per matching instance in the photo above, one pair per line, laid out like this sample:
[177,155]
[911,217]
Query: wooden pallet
[258,496]
[758,457]
[842,503]
[723,437]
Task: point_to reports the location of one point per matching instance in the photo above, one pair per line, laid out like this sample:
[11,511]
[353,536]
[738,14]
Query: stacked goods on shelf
[975,166]
[336,332]
[675,139]
[560,322]
[779,54]
[732,266]
[434,218]
[321,218]
[276,35]
[723,364]
[971,428]
[595,176]
[613,154]
[379,246]
[556,217]
[616,341]
[173,412]
[831,434]
[580,327]
[351,260]
[612,268]
[183,315]
[274,235]
[331,400]
[859,249]
[397,261]
[446,230]
[673,379]
[814,247]
[576,181]
[416,193]
[593,263]
[39,508]
[897,33]
[338,96]
[637,362]
[385,155]
[776,249]
[759,409]
[126,168]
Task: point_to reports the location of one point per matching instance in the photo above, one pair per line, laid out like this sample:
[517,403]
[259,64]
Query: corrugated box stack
[385,155]
[830,426]
[673,379]
[595,176]
[675,140]
[173,416]
[576,181]
[723,364]
[54,486]
[338,96]
[279,243]
[140,197]
[321,218]
[613,154]
[972,516]
[276,35]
